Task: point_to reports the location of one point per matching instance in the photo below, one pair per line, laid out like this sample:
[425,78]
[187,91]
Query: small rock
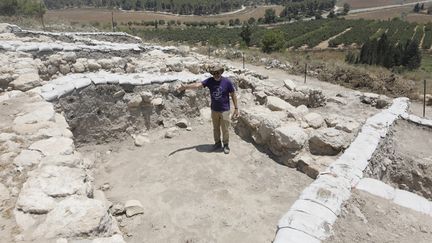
[64,69]
[133,207]
[117,209]
[182,123]
[119,94]
[92,65]
[135,101]
[157,102]
[289,84]
[172,132]
[141,140]
[146,96]
[105,187]
[189,129]
[62,240]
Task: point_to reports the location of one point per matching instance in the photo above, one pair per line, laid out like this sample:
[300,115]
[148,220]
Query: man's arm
[196,85]
[234,99]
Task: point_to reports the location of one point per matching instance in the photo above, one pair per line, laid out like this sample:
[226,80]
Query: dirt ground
[356,4]
[367,218]
[104,15]
[191,194]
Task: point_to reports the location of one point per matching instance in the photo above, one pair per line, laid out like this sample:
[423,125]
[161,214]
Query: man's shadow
[203,148]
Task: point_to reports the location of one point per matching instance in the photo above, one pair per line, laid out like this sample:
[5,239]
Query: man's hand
[235,114]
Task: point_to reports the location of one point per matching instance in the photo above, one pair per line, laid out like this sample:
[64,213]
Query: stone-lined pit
[104,113]
[404,159]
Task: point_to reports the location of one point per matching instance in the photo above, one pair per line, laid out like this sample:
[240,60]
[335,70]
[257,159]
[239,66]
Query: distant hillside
[196,7]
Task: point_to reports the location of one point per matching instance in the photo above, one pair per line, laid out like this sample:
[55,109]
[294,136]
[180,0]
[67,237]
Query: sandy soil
[193,195]
[356,4]
[416,108]
[367,218]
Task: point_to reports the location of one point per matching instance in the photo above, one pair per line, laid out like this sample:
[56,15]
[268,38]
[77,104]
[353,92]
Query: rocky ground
[143,169]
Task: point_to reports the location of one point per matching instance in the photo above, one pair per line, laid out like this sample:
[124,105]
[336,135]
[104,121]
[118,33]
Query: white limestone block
[310,224]
[412,201]
[328,191]
[377,188]
[287,235]
[312,208]
[82,83]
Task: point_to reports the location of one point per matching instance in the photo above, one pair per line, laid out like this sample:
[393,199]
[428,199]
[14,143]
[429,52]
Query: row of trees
[22,8]
[306,8]
[383,52]
[185,7]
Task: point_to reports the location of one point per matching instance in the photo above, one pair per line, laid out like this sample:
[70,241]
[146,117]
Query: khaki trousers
[221,120]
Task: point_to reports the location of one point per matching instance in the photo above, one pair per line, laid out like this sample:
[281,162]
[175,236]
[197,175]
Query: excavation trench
[404,159]
[189,193]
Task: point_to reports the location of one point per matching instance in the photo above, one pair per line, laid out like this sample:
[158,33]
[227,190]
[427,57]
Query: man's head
[216,70]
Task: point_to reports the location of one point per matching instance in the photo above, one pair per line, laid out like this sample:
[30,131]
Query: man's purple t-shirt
[219,92]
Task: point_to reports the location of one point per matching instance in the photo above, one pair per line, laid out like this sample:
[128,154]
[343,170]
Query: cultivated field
[385,14]
[356,4]
[104,15]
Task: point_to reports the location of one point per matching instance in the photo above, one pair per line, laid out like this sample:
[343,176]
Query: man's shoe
[217,146]
[226,149]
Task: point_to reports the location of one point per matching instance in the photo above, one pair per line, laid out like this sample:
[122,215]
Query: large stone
[40,112]
[314,120]
[92,65]
[79,67]
[24,220]
[342,123]
[328,141]
[288,139]
[76,217]
[58,181]
[27,158]
[54,145]
[71,160]
[277,104]
[33,200]
[69,57]
[133,207]
[26,81]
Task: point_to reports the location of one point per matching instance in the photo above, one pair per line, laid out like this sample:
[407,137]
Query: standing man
[221,88]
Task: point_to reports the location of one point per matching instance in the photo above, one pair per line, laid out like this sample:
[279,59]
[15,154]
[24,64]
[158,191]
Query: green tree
[272,41]
[246,34]
[270,16]
[412,56]
[346,8]
[8,7]
[416,8]
[331,14]
[251,20]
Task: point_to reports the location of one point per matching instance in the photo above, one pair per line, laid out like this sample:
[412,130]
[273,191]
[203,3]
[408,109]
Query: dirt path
[367,218]
[194,195]
[325,44]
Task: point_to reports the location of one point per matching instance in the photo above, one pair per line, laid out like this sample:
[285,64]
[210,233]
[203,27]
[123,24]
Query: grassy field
[104,15]
[357,4]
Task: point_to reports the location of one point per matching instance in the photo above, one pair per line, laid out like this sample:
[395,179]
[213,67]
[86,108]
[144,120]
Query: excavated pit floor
[404,159]
[367,218]
[191,194]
